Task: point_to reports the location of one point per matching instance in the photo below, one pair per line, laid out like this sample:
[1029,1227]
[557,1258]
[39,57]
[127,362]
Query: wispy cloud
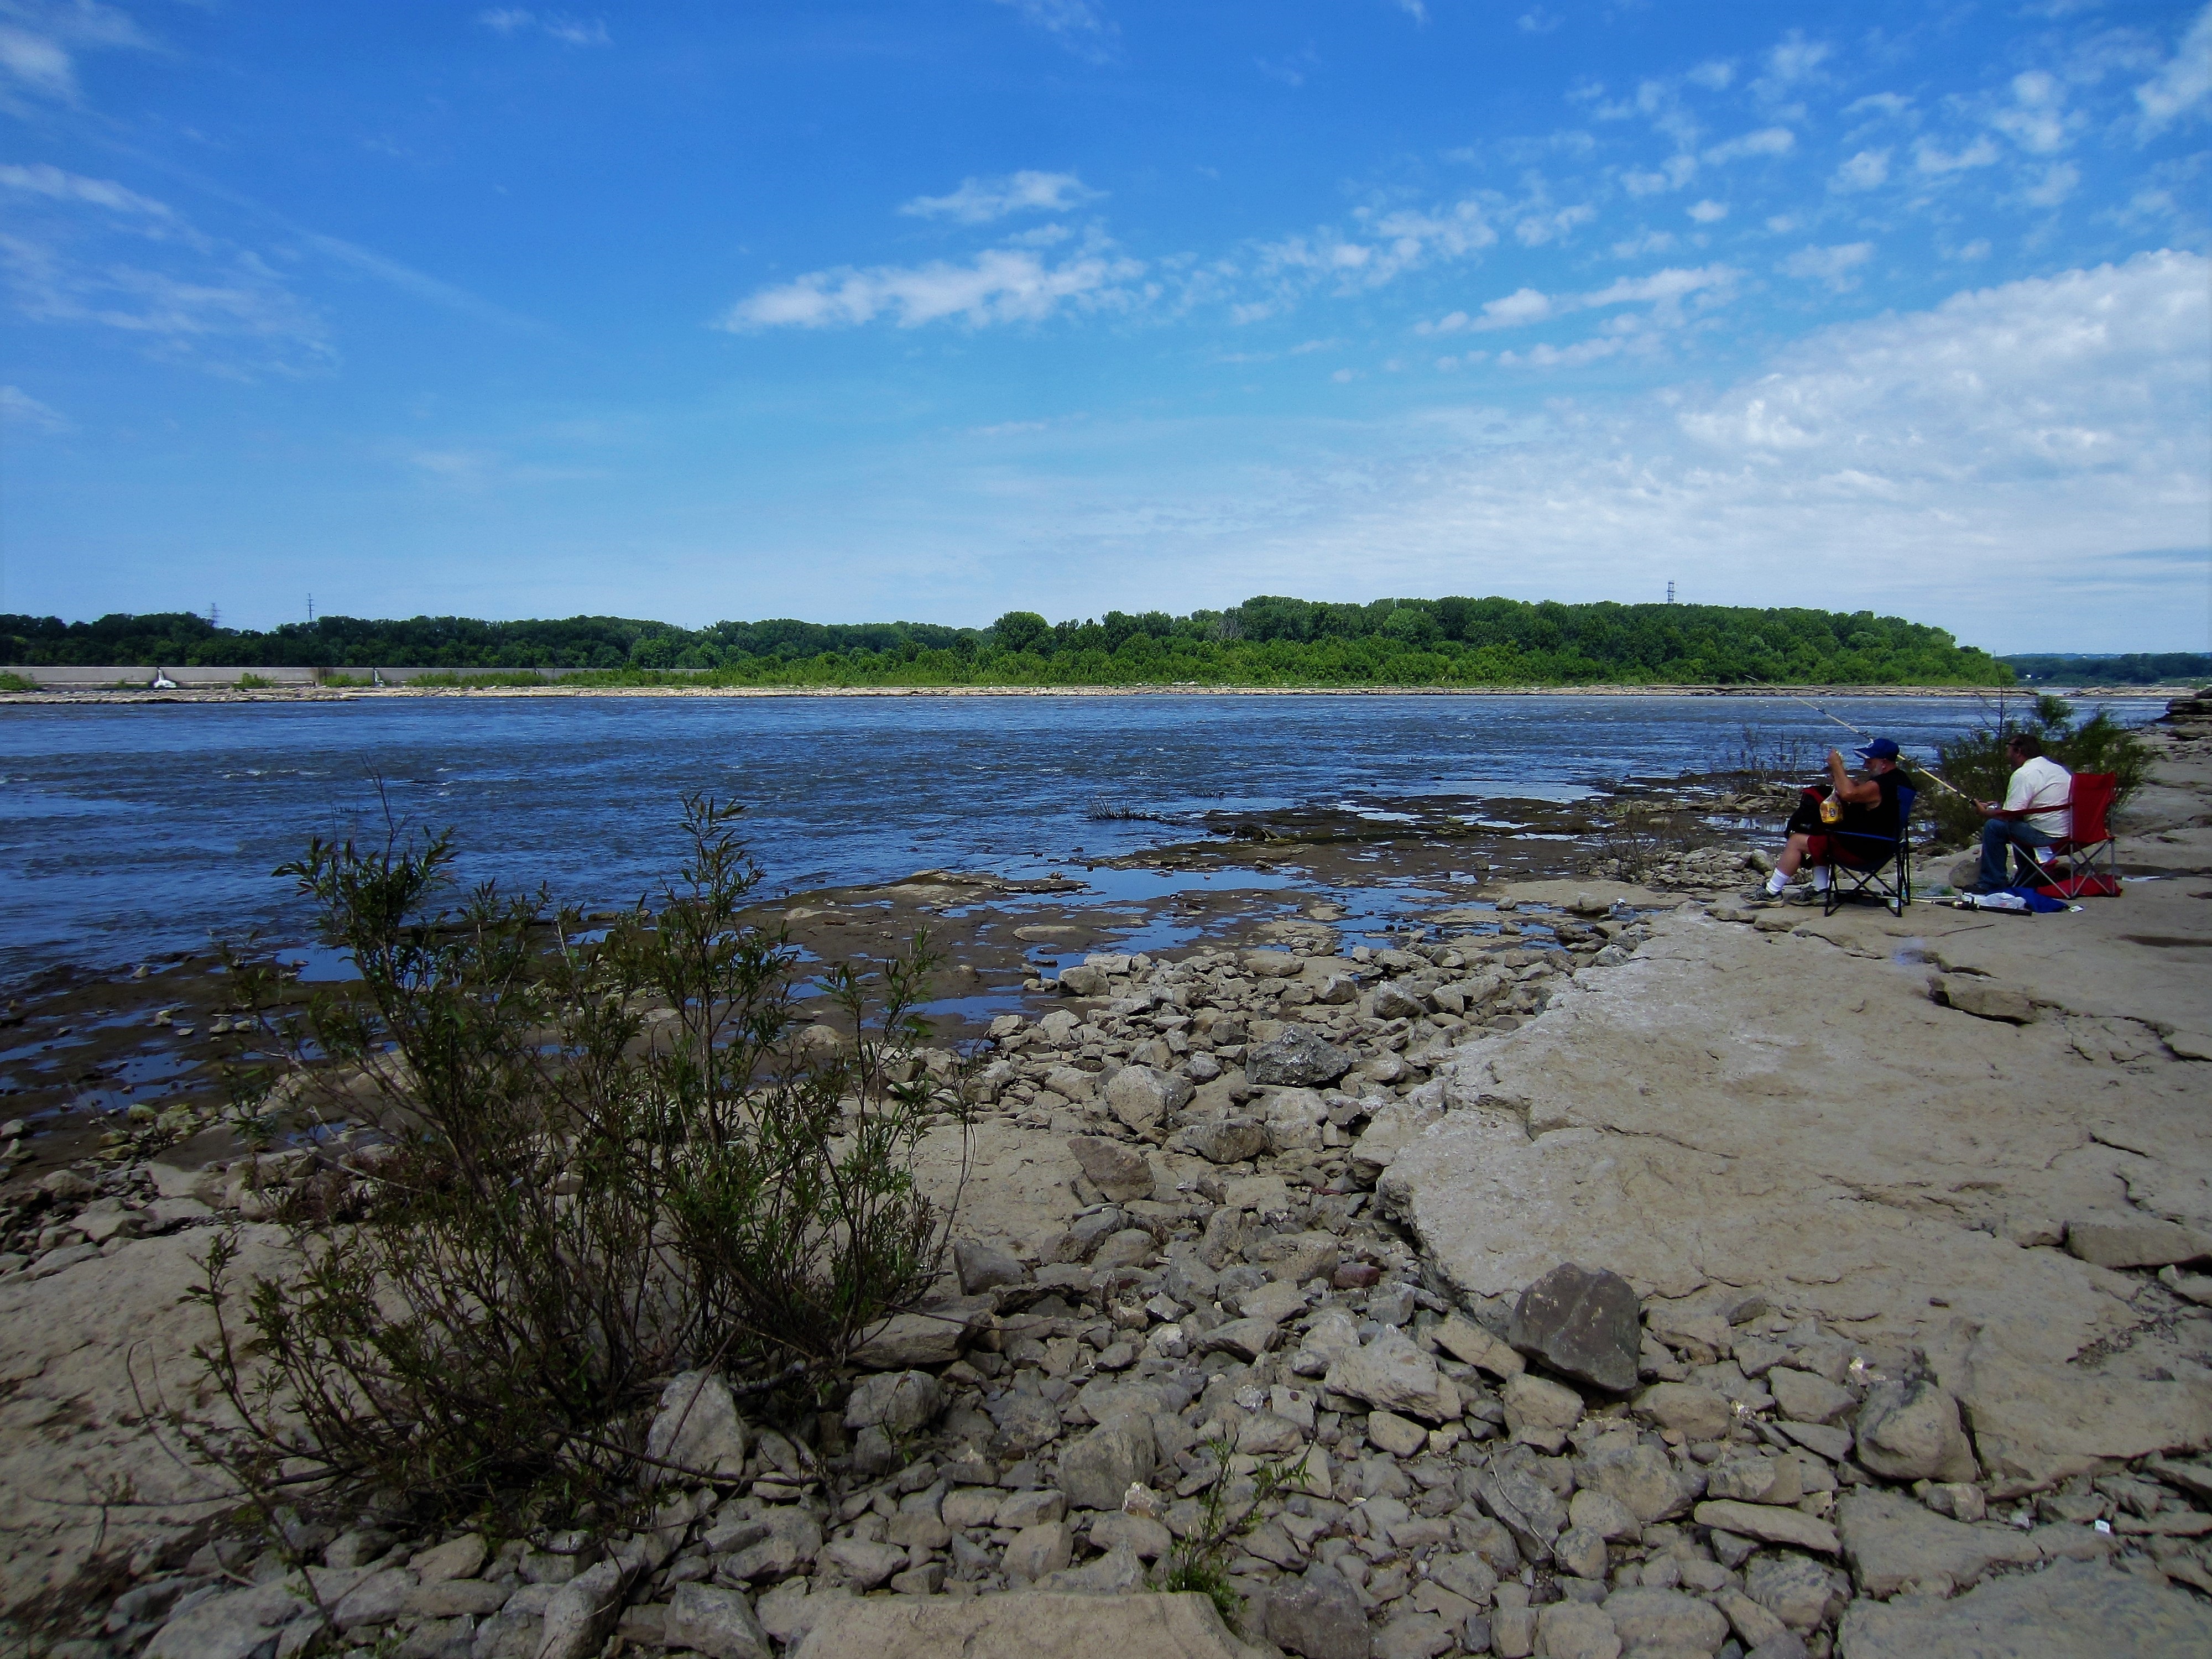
[1867,170]
[978,201]
[2183,86]
[19,408]
[1001,285]
[2037,119]
[1664,290]
[39,40]
[1079,25]
[237,319]
[1767,140]
[41,180]
[568,31]
[1837,266]
[1931,158]
[1709,212]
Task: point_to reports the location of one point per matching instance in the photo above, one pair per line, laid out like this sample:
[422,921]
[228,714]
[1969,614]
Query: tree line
[1268,640]
[2130,668]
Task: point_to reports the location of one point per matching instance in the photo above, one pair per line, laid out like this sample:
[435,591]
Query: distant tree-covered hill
[2134,668]
[1266,640]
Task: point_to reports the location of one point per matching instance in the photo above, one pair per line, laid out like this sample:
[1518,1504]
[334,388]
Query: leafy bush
[17,683]
[607,1160]
[254,683]
[1978,764]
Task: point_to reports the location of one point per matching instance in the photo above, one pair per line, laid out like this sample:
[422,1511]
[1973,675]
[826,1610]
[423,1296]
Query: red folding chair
[2088,846]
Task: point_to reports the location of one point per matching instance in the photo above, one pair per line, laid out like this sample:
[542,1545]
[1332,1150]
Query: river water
[133,832]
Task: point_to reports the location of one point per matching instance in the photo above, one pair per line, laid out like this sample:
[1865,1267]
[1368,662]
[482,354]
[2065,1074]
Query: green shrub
[1978,764]
[607,1160]
[17,683]
[254,683]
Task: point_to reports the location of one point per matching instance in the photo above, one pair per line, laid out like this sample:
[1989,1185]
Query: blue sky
[931,310]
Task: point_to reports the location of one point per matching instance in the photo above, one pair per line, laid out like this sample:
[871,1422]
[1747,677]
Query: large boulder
[1141,1097]
[1910,1431]
[1583,1324]
[697,1428]
[1300,1058]
[1392,1373]
[898,1403]
[2072,1608]
[1097,1472]
[1118,1171]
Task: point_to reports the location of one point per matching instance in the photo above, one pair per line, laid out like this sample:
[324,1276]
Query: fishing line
[1916,766]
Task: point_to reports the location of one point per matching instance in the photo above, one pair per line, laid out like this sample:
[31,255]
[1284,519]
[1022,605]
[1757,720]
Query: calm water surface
[132,832]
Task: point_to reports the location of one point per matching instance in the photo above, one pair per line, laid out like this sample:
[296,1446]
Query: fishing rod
[1927,771]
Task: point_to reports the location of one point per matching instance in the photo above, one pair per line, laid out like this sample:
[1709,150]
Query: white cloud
[1767,140]
[41,180]
[1833,265]
[237,318]
[1714,75]
[1538,228]
[1539,21]
[1413,9]
[2022,464]
[1078,25]
[2037,120]
[1709,212]
[1662,290]
[999,285]
[1676,171]
[39,39]
[978,201]
[568,31]
[19,408]
[1864,171]
[1931,158]
[2056,183]
[2183,86]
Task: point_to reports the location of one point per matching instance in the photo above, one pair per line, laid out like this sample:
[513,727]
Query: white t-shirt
[2042,781]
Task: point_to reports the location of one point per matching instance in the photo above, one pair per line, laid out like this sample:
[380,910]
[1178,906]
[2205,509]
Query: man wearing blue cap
[1868,807]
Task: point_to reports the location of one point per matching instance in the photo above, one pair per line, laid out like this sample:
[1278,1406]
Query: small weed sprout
[1200,1561]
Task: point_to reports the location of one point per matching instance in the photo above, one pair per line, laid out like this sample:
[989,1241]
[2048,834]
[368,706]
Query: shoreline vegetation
[1267,643]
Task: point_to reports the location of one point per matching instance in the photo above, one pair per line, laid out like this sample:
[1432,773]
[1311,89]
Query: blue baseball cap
[1880,748]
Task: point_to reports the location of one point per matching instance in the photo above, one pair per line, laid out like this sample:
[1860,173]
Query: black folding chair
[1879,867]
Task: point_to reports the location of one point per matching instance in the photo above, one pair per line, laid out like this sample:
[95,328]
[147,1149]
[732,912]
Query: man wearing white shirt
[2035,812]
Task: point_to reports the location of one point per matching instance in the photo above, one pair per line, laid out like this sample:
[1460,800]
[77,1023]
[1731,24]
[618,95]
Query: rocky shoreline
[1614,1268]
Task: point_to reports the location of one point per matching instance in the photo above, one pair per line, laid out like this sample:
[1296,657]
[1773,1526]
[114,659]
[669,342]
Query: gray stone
[1891,1541]
[1140,1534]
[928,1336]
[1575,1630]
[1392,1373]
[1396,1002]
[1469,1343]
[1910,1431]
[2135,1241]
[1130,1248]
[1665,1619]
[1095,1471]
[1769,1523]
[984,1267]
[1389,1432]
[898,1403]
[1300,1058]
[1582,1324]
[1027,1509]
[697,1428]
[1227,1141]
[795,1536]
[449,1598]
[582,1613]
[458,1558]
[864,1564]
[232,1625]
[1084,981]
[1755,1625]
[1581,1551]
[1537,1407]
[1985,999]
[1639,1476]
[1117,1572]
[1794,1588]
[2070,1609]
[1415,1635]
[1119,1171]
[1277,1300]
[719,1623]
[1248,1339]
[1526,1506]
[1140,1096]
[1025,1423]
[1465,1574]
[1271,964]
[1604,1514]
[1696,1412]
[1036,1551]
[1805,1397]
[1316,1615]
[377,1600]
[1025,1625]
